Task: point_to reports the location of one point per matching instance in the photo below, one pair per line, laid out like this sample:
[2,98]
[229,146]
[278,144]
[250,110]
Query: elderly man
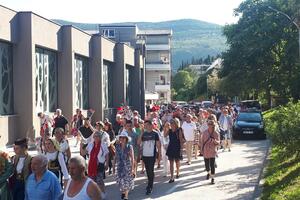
[80,187]
[42,184]
[189,128]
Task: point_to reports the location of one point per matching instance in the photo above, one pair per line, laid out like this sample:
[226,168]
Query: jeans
[149,165]
[18,190]
[210,165]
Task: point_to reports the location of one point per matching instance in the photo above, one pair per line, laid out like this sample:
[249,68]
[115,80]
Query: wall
[6,23]
[26,31]
[153,77]
[123,33]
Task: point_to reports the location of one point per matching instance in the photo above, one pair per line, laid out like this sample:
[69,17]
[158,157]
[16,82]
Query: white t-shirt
[188,130]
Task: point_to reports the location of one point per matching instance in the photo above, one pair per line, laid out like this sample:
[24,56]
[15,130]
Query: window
[162,95]
[107,86]
[109,33]
[45,80]
[81,85]
[6,79]
[128,85]
[162,79]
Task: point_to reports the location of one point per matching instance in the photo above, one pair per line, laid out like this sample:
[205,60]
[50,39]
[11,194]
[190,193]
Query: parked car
[249,125]
[206,104]
[250,105]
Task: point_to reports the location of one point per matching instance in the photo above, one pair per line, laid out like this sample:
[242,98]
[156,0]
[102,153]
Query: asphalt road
[237,176]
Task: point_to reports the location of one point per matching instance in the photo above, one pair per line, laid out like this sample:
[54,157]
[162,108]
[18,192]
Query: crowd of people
[166,136]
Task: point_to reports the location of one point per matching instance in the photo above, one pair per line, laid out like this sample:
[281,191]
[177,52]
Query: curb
[261,178]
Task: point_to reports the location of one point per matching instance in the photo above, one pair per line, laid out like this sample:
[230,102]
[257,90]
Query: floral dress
[123,176]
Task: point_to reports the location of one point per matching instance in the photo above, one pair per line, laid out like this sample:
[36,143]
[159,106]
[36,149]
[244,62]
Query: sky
[109,11]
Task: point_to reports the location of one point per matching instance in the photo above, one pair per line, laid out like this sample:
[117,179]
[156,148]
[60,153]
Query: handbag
[112,150]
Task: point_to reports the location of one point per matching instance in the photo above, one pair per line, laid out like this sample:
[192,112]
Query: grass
[282,179]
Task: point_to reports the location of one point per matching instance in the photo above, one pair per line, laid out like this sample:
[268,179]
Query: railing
[157,62]
[160,83]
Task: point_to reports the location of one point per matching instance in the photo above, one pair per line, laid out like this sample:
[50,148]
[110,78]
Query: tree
[183,83]
[262,54]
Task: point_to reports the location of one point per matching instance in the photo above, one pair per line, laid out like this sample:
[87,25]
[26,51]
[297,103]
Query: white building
[158,62]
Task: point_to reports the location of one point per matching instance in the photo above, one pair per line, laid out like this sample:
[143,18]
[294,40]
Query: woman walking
[124,160]
[175,147]
[112,137]
[98,160]
[164,146]
[210,140]
[56,160]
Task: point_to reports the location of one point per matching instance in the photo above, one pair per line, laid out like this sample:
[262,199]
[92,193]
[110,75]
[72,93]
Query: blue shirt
[48,188]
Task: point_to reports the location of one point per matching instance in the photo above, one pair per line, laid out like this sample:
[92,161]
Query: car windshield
[251,104]
[249,117]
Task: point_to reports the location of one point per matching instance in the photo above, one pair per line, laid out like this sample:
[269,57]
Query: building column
[119,92]
[65,72]
[95,78]
[23,78]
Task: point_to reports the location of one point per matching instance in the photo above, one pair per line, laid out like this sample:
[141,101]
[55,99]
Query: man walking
[42,184]
[151,147]
[189,128]
[80,187]
[226,123]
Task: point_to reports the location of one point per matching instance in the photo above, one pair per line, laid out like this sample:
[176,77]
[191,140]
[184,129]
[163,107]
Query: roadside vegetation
[282,178]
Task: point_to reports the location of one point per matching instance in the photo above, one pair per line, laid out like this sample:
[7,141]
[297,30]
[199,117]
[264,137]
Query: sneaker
[207,176]
[177,176]
[212,181]
[171,181]
[149,191]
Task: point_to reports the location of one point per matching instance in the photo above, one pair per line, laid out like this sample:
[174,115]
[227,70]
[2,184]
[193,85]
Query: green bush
[283,127]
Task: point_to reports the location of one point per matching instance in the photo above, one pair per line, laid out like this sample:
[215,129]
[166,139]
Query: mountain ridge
[191,37]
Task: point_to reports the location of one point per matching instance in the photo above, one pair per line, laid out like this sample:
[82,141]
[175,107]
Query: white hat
[124,133]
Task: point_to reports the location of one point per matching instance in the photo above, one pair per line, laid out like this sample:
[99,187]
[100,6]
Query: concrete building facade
[45,66]
[158,63]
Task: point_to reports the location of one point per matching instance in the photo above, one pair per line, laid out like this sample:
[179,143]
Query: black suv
[249,125]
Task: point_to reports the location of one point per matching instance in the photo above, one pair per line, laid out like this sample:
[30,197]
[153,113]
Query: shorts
[225,135]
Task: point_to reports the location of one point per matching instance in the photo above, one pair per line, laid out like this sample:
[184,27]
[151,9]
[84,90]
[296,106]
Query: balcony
[158,66]
[160,87]
[158,47]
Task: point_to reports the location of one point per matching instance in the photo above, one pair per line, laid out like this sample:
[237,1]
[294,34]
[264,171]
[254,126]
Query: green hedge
[283,127]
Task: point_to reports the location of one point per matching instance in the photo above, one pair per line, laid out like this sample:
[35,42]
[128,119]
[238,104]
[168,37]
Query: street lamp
[290,19]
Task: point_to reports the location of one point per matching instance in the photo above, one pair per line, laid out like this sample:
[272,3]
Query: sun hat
[124,133]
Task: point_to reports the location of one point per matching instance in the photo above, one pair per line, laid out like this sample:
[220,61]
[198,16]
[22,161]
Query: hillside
[191,38]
